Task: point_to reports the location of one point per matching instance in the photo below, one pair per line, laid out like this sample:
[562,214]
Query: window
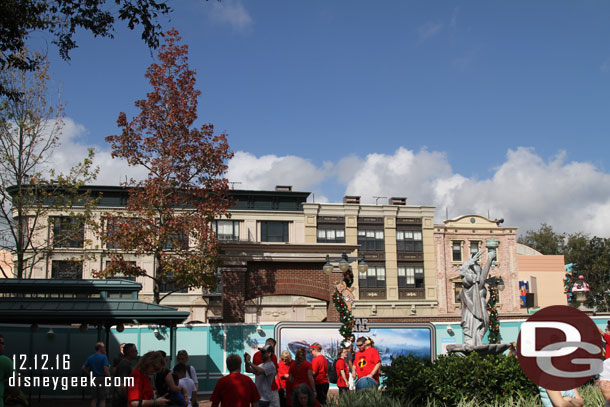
[274,231]
[372,282]
[67,269]
[226,229]
[408,240]
[410,277]
[112,227]
[371,239]
[68,231]
[331,235]
[168,285]
[457,251]
[177,241]
[373,278]
[474,248]
[456,291]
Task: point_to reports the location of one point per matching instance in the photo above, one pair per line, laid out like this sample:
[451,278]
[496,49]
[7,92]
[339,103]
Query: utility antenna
[446,213]
[377,198]
[233,184]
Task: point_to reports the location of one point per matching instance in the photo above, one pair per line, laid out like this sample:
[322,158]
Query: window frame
[407,241]
[57,274]
[284,237]
[369,240]
[235,229]
[59,226]
[457,243]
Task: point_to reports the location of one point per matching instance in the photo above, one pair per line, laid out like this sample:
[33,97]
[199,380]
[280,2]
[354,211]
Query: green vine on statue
[345,315]
[494,323]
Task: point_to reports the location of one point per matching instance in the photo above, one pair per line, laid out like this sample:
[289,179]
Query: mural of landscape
[389,341]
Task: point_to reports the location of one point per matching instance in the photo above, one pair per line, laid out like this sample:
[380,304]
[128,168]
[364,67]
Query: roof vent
[351,199]
[398,200]
[283,188]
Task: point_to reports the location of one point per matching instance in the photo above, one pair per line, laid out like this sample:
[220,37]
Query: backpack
[332,372]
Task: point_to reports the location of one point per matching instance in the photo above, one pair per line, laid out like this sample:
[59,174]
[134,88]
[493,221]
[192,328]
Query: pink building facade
[455,240]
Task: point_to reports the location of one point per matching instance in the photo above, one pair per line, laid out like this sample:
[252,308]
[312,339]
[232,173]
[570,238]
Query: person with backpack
[319,367]
[342,372]
[183,357]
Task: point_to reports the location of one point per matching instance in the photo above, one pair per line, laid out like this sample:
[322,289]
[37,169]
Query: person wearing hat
[264,374]
[275,386]
[319,367]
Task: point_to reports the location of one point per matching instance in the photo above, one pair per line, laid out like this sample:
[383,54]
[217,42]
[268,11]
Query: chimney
[351,199]
[398,200]
[283,188]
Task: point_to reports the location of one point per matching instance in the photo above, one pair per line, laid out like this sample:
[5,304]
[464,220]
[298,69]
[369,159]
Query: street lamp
[496,282]
[580,289]
[344,263]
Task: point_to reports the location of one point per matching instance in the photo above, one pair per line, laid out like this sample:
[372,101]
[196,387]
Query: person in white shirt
[265,375]
[187,384]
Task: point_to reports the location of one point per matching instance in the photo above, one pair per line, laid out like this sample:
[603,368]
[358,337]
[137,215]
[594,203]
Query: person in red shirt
[236,389]
[606,338]
[342,371]
[299,373]
[275,386]
[319,367]
[141,392]
[283,375]
[367,362]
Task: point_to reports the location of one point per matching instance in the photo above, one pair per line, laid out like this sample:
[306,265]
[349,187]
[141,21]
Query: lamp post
[580,290]
[344,264]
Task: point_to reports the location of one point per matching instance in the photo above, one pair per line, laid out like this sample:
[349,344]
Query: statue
[475,318]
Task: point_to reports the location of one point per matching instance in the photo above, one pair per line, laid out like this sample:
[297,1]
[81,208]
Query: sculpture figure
[475,318]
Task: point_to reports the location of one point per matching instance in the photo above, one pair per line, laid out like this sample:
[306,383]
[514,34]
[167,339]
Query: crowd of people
[297,382]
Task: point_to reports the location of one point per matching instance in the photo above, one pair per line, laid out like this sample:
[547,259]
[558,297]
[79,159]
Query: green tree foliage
[169,214]
[62,18]
[545,240]
[29,133]
[590,257]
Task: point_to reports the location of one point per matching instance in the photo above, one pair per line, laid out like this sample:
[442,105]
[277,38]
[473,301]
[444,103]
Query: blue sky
[473,107]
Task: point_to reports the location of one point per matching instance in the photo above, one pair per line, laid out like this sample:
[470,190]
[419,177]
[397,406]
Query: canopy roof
[103,302]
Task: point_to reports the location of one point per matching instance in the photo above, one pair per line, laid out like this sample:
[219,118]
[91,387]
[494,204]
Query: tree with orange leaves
[168,215]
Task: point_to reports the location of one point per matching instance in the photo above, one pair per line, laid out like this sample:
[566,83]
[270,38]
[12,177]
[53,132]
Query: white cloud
[428,30]
[267,171]
[525,190]
[231,12]
[73,150]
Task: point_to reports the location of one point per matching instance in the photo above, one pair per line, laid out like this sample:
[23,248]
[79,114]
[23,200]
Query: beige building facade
[396,241]
[545,275]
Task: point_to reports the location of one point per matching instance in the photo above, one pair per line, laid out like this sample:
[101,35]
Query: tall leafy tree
[29,133]
[589,256]
[169,214]
[545,240]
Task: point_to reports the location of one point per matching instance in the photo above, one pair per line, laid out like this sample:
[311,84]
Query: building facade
[396,241]
[456,240]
